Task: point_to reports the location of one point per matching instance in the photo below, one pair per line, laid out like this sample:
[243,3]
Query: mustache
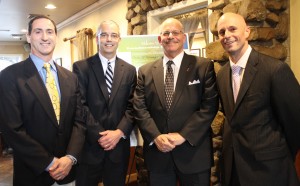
[170,40]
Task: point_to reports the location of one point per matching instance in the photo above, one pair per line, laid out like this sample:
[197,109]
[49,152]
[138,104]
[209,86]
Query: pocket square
[194,82]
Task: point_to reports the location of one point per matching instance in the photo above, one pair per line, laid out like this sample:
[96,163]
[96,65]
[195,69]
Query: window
[193,14]
[9,59]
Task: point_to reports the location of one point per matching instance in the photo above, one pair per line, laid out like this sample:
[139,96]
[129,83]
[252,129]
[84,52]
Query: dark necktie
[109,77]
[169,84]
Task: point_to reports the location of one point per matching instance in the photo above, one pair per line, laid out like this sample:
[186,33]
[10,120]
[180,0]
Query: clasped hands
[167,142]
[109,139]
[60,168]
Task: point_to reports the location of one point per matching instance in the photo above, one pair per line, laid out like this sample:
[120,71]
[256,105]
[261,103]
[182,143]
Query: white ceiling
[14,14]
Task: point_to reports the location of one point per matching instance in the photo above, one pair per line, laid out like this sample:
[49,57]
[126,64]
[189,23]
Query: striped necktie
[109,77]
[52,91]
[169,84]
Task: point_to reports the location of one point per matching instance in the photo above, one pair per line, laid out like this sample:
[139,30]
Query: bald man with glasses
[175,102]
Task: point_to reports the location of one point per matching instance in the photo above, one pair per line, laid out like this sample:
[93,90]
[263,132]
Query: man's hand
[176,138]
[60,168]
[110,138]
[163,143]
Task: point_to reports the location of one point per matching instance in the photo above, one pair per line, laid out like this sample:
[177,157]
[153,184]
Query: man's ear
[247,32]
[159,39]
[28,38]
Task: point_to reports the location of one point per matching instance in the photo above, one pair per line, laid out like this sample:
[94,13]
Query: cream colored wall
[295,37]
[116,11]
[13,48]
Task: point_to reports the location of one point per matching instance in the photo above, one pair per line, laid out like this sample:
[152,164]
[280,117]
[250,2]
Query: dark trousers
[234,180]
[170,178]
[112,174]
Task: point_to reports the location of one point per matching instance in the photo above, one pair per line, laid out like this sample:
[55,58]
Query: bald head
[171,21]
[233,34]
[238,19]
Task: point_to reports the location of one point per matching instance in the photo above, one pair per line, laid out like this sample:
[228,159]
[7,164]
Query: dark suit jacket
[110,113]
[192,111]
[29,124]
[262,129]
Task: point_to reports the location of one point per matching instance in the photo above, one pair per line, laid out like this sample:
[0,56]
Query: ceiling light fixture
[50,6]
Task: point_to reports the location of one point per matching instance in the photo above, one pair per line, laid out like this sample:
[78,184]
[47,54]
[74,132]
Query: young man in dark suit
[175,103]
[44,127]
[262,109]
[107,84]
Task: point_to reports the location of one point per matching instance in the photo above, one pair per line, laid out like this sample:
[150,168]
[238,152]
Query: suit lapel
[249,74]
[185,72]
[35,83]
[228,83]
[99,74]
[158,77]
[64,91]
[118,74]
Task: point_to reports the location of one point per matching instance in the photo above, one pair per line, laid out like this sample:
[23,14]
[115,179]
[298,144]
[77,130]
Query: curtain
[191,22]
[84,40]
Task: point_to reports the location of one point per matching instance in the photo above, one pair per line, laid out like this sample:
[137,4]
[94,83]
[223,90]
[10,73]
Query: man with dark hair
[41,115]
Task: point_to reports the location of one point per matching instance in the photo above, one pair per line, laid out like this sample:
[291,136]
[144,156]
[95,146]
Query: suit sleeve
[11,123]
[198,126]
[78,132]
[127,122]
[143,118]
[81,70]
[286,104]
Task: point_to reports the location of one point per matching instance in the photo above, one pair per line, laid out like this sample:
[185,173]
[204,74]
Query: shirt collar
[177,60]
[242,62]
[39,63]
[104,59]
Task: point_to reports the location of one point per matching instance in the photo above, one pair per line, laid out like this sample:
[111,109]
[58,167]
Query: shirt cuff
[74,160]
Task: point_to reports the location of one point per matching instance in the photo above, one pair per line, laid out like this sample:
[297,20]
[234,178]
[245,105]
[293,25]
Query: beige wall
[13,48]
[116,11]
[295,37]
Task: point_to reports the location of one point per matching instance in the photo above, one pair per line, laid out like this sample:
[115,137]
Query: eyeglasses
[113,36]
[174,33]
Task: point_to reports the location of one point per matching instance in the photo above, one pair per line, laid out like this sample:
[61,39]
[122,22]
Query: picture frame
[203,52]
[195,52]
[59,61]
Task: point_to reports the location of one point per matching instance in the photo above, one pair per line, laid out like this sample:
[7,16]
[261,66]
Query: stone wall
[269,21]
[137,14]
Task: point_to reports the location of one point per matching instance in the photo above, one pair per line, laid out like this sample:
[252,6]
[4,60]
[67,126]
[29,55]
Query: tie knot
[169,63]
[47,65]
[236,69]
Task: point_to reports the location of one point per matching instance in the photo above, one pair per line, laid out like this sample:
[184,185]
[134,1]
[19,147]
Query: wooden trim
[88,31]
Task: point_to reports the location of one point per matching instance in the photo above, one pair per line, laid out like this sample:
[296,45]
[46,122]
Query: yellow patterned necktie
[52,91]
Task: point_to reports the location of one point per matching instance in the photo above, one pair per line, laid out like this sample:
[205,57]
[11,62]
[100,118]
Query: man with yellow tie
[40,112]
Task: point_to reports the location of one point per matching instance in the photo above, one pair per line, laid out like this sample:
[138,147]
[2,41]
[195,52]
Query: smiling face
[233,34]
[172,37]
[108,39]
[42,38]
